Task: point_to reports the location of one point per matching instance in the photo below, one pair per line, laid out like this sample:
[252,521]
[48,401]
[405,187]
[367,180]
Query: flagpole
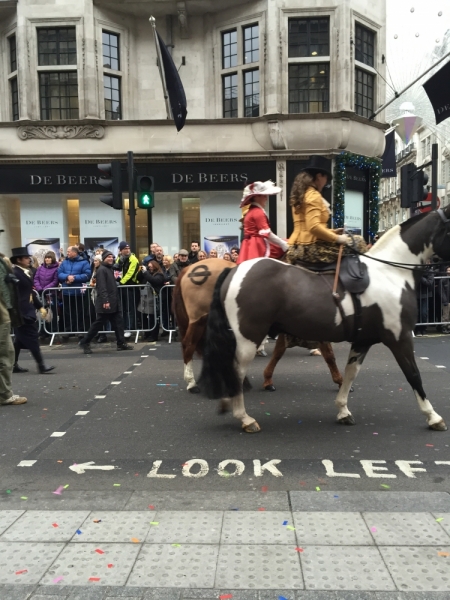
[161,71]
[398,94]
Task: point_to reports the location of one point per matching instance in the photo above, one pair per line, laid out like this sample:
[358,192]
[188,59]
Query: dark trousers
[26,337]
[100,323]
[129,297]
[76,317]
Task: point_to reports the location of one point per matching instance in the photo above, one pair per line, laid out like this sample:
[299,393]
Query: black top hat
[319,164]
[18,253]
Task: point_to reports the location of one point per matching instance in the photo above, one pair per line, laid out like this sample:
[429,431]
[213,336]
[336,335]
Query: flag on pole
[172,85]
[438,91]
[388,167]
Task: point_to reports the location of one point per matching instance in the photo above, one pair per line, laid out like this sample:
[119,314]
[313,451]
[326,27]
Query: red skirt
[258,247]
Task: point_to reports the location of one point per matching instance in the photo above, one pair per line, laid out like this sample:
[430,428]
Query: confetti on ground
[282,598]
[440,519]
[290,528]
[302,482]
[430,445]
[167,384]
[110,566]
[58,490]
[8,491]
[375,433]
[443,553]
[135,540]
[374,529]
[264,488]
[285,522]
[66,486]
[154,522]
[176,545]
[386,487]
[94,578]
[22,571]
[317,489]
[298,422]
[97,520]
[99,551]
[299,549]
[335,496]
[60,461]
[225,596]
[58,579]
[24,497]
[55,525]
[268,414]
[151,507]
[261,508]
[116,484]
[78,532]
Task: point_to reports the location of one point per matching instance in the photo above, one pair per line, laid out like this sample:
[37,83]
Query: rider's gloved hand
[344,239]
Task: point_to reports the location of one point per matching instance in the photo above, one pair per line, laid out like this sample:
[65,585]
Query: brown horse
[192,298]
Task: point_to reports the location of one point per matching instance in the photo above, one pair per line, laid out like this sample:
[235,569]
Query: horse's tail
[219,377]
[178,306]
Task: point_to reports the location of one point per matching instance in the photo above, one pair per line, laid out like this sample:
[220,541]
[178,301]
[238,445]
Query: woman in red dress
[259,241]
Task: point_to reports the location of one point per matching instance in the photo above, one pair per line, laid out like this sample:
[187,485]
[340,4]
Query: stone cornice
[60,132]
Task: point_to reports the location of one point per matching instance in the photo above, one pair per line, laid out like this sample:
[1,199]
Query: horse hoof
[270,388]
[252,428]
[194,390]
[441,426]
[348,420]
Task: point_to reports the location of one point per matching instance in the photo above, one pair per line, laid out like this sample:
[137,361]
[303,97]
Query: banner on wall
[43,219]
[99,222]
[91,244]
[38,247]
[221,243]
[354,212]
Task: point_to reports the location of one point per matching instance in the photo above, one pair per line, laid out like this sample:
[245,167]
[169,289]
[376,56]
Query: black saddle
[353,274]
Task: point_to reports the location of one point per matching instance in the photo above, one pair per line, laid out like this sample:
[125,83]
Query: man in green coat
[9,317]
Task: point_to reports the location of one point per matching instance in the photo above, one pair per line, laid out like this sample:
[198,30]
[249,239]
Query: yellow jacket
[310,224]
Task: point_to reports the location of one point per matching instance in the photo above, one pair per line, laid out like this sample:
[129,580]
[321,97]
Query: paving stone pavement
[305,546]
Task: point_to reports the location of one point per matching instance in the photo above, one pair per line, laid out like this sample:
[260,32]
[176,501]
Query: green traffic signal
[145,191]
[145,200]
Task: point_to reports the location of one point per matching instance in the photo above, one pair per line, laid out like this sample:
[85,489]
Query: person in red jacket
[259,241]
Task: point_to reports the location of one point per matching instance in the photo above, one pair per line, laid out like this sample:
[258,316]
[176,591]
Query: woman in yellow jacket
[312,240]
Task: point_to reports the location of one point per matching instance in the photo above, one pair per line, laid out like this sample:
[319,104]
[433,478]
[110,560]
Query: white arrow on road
[89,465]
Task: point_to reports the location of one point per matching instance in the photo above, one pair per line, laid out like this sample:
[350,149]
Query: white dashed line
[145,356]
[81,413]
[116,382]
[26,463]
[424,357]
[152,349]
[58,434]
[99,397]
[441,367]
[137,364]
[127,372]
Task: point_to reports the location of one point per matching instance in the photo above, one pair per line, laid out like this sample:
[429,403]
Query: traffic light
[111,179]
[407,185]
[145,191]
[423,186]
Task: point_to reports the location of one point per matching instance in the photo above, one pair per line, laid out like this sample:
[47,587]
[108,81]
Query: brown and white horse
[192,298]
[300,303]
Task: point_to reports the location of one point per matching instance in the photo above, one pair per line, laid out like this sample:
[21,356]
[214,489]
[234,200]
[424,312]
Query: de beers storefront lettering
[169,177]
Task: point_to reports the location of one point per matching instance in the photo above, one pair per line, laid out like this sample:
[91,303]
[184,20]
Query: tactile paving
[7,518]
[40,526]
[344,568]
[78,563]
[185,527]
[115,526]
[331,529]
[25,563]
[418,568]
[258,528]
[184,566]
[405,529]
[259,567]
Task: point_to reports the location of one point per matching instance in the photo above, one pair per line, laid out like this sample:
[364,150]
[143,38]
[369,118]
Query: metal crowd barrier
[73,310]
[433,303]
[167,318]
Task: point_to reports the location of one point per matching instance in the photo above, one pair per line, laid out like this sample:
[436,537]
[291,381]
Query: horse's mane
[385,239]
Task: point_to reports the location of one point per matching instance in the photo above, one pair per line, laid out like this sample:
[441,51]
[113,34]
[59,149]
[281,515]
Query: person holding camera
[9,316]
[26,336]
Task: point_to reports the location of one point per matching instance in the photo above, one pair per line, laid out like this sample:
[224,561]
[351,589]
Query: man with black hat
[26,336]
[107,305]
[9,315]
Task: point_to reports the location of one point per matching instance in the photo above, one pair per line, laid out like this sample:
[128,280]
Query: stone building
[268,84]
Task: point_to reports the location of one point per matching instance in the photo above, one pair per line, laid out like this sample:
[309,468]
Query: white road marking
[424,358]
[137,364]
[99,397]
[116,382]
[58,434]
[26,463]
[81,413]
[127,372]
[80,469]
[145,355]
[441,367]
